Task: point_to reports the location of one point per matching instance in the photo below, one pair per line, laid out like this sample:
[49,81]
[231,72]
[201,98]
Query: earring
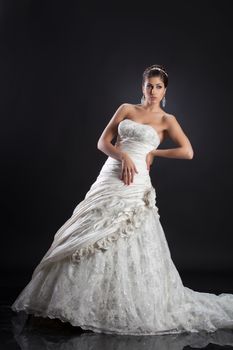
[142,99]
[163,101]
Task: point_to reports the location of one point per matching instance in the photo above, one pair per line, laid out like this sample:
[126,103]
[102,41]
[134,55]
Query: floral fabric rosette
[125,218]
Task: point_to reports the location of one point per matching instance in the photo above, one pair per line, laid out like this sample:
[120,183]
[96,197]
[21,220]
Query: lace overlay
[109,267]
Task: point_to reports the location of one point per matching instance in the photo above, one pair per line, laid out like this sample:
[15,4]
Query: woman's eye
[158,86]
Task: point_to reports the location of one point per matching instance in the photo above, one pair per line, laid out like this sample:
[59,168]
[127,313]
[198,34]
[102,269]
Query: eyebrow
[155,84]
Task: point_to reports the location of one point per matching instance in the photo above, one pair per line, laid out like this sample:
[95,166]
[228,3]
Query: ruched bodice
[136,140]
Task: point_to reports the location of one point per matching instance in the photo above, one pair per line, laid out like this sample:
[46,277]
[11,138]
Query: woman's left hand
[149,160]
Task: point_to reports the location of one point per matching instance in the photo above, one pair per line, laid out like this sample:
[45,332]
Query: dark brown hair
[153,72]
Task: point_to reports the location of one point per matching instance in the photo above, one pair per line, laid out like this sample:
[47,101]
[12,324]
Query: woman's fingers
[132,175]
[126,176]
[129,177]
[127,173]
[122,174]
[149,160]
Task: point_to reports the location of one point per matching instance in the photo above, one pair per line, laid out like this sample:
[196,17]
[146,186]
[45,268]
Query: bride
[109,268]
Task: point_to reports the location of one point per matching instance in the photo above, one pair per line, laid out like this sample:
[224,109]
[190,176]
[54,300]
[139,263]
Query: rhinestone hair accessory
[159,69]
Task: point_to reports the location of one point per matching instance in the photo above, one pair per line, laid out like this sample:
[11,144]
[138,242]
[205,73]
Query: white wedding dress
[109,268]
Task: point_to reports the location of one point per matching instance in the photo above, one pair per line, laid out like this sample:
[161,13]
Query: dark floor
[18,331]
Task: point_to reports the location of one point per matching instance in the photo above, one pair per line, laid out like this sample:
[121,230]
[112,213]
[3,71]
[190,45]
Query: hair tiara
[159,69]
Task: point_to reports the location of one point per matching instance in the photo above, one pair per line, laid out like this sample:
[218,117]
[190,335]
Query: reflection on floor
[20,331]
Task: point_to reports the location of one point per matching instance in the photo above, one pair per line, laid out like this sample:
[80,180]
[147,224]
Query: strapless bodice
[136,140]
[131,131]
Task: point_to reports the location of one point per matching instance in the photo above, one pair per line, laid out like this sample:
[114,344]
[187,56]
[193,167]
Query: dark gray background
[65,68]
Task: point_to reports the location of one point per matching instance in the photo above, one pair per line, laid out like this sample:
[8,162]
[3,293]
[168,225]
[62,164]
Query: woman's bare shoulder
[169,118]
[126,107]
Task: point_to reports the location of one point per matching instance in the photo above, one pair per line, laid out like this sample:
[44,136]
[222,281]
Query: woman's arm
[128,168]
[104,143]
[175,132]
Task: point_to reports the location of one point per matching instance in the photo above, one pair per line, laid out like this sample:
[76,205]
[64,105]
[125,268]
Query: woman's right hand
[128,169]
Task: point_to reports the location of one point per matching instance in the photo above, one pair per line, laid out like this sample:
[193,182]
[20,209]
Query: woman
[109,268]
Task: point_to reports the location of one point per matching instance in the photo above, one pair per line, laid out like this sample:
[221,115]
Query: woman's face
[153,90]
